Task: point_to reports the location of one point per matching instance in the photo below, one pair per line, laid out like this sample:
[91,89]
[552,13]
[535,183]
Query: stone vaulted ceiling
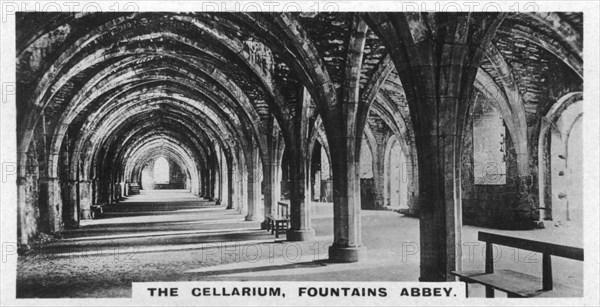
[112,85]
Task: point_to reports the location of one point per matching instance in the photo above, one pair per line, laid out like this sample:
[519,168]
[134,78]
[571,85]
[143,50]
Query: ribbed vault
[232,98]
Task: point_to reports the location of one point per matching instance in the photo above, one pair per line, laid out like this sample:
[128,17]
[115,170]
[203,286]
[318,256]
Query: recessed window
[161,171]
[489,145]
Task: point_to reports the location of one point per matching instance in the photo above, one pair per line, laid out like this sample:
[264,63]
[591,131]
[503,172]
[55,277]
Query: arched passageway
[347,125]
[397,169]
[161,171]
[566,167]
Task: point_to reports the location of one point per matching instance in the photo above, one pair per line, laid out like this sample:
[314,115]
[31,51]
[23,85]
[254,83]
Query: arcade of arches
[461,118]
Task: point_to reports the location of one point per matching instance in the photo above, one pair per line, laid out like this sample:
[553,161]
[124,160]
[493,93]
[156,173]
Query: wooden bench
[97,210]
[517,284]
[134,188]
[280,221]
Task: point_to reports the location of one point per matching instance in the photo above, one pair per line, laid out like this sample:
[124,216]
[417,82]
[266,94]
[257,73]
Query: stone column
[379,174]
[94,185]
[271,171]
[243,191]
[204,181]
[271,182]
[201,182]
[201,187]
[213,180]
[121,190]
[440,211]
[85,199]
[117,192]
[113,194]
[51,203]
[70,210]
[345,136]
[347,245]
[206,173]
[242,185]
[22,231]
[192,187]
[277,186]
[300,228]
[412,177]
[544,179]
[299,172]
[255,207]
[437,69]
[207,193]
[221,183]
[109,188]
[231,189]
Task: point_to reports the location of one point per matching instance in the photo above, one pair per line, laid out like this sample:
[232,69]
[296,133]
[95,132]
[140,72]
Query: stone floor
[173,236]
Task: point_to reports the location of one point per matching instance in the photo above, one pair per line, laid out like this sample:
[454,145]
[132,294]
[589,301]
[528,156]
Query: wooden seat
[280,221]
[134,188]
[97,210]
[517,284]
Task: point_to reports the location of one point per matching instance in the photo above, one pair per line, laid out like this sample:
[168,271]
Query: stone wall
[31,213]
[367,193]
[497,205]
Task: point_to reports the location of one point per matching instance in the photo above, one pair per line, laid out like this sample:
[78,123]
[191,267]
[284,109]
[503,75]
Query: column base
[300,234]
[254,218]
[435,277]
[72,224]
[86,214]
[264,225]
[346,254]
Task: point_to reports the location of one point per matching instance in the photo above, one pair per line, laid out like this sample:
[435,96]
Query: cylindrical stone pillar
[255,206]
[347,244]
[85,199]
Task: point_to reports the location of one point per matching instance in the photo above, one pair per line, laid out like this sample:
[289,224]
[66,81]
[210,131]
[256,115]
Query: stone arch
[513,113]
[53,71]
[62,127]
[395,173]
[548,125]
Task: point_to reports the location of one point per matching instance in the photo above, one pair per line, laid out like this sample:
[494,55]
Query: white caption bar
[295,293]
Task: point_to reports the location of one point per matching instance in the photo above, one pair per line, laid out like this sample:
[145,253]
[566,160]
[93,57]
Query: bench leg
[547,272]
[489,291]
